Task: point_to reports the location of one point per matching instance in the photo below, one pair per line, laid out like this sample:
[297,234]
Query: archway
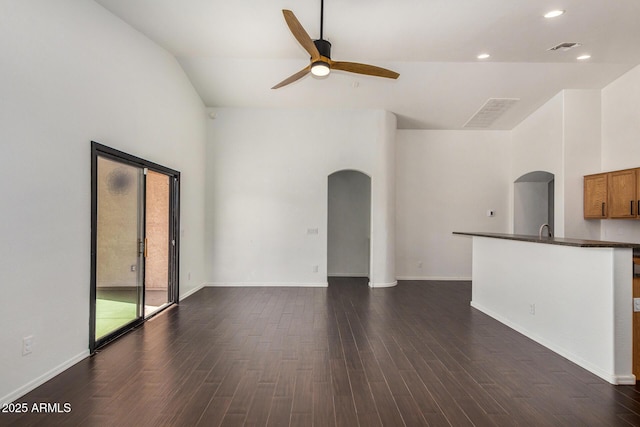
[533,202]
[349,224]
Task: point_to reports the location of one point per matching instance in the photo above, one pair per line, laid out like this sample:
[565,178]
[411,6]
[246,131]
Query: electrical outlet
[532,309]
[27,345]
[636,305]
[420,264]
[315,268]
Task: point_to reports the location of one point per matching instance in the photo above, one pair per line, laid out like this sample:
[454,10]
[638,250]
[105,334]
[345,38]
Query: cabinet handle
[603,207]
[632,208]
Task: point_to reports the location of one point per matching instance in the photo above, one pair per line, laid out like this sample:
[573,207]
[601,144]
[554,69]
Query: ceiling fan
[321,63]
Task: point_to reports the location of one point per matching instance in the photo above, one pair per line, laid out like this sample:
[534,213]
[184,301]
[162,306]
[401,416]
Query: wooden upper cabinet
[623,195]
[595,196]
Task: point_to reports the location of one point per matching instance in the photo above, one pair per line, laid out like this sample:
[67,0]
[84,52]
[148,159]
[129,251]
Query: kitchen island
[573,296]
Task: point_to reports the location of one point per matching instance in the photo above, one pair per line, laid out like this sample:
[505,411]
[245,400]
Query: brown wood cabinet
[623,195]
[595,196]
[612,195]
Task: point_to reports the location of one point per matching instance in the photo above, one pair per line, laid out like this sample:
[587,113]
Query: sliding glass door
[157,224]
[120,246]
[135,215]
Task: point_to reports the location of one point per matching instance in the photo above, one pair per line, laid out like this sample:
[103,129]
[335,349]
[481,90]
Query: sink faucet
[548,231]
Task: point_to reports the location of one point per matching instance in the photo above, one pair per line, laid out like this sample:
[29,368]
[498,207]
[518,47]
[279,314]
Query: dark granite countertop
[552,240]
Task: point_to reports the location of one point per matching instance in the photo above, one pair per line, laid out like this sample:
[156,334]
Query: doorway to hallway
[349,224]
[534,196]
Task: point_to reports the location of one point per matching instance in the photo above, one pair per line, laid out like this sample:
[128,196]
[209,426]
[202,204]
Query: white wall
[445,182]
[621,142]
[582,129]
[349,224]
[537,146]
[267,178]
[71,73]
[562,137]
[573,300]
[580,132]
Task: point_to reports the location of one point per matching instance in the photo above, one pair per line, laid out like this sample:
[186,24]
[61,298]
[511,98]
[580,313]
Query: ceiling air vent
[491,111]
[565,46]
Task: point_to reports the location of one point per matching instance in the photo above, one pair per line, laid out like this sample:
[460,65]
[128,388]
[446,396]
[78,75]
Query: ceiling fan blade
[300,34]
[297,76]
[370,70]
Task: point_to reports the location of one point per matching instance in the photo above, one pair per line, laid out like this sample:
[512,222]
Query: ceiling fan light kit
[321,63]
[320,69]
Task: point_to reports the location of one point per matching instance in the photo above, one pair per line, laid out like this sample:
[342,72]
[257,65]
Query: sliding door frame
[99,150]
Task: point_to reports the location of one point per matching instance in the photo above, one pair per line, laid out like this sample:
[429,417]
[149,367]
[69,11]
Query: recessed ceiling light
[583,57]
[483,56]
[554,13]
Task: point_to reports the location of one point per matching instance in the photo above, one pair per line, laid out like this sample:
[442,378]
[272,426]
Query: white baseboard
[383,285]
[624,380]
[191,292]
[607,376]
[268,284]
[348,274]
[31,385]
[435,278]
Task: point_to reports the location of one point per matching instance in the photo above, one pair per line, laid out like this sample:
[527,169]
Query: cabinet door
[622,194]
[595,196]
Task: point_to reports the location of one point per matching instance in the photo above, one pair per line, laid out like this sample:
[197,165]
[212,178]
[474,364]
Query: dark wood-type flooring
[345,355]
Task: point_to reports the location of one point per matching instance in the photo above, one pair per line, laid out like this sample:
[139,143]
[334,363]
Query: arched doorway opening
[349,224]
[533,202]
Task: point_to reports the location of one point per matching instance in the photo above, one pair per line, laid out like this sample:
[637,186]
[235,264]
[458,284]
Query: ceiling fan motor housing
[324,47]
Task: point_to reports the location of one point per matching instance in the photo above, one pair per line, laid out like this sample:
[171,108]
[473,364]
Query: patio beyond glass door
[120,247]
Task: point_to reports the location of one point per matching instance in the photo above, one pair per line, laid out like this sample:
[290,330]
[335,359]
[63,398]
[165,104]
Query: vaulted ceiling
[235,51]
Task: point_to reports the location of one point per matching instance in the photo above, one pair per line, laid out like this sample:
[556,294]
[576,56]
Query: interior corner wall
[621,142]
[537,146]
[446,181]
[582,146]
[563,137]
[266,201]
[72,73]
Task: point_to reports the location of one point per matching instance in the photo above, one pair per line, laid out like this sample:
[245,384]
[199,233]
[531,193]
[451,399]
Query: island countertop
[552,240]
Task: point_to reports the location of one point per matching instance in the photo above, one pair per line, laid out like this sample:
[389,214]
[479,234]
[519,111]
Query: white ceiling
[235,51]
